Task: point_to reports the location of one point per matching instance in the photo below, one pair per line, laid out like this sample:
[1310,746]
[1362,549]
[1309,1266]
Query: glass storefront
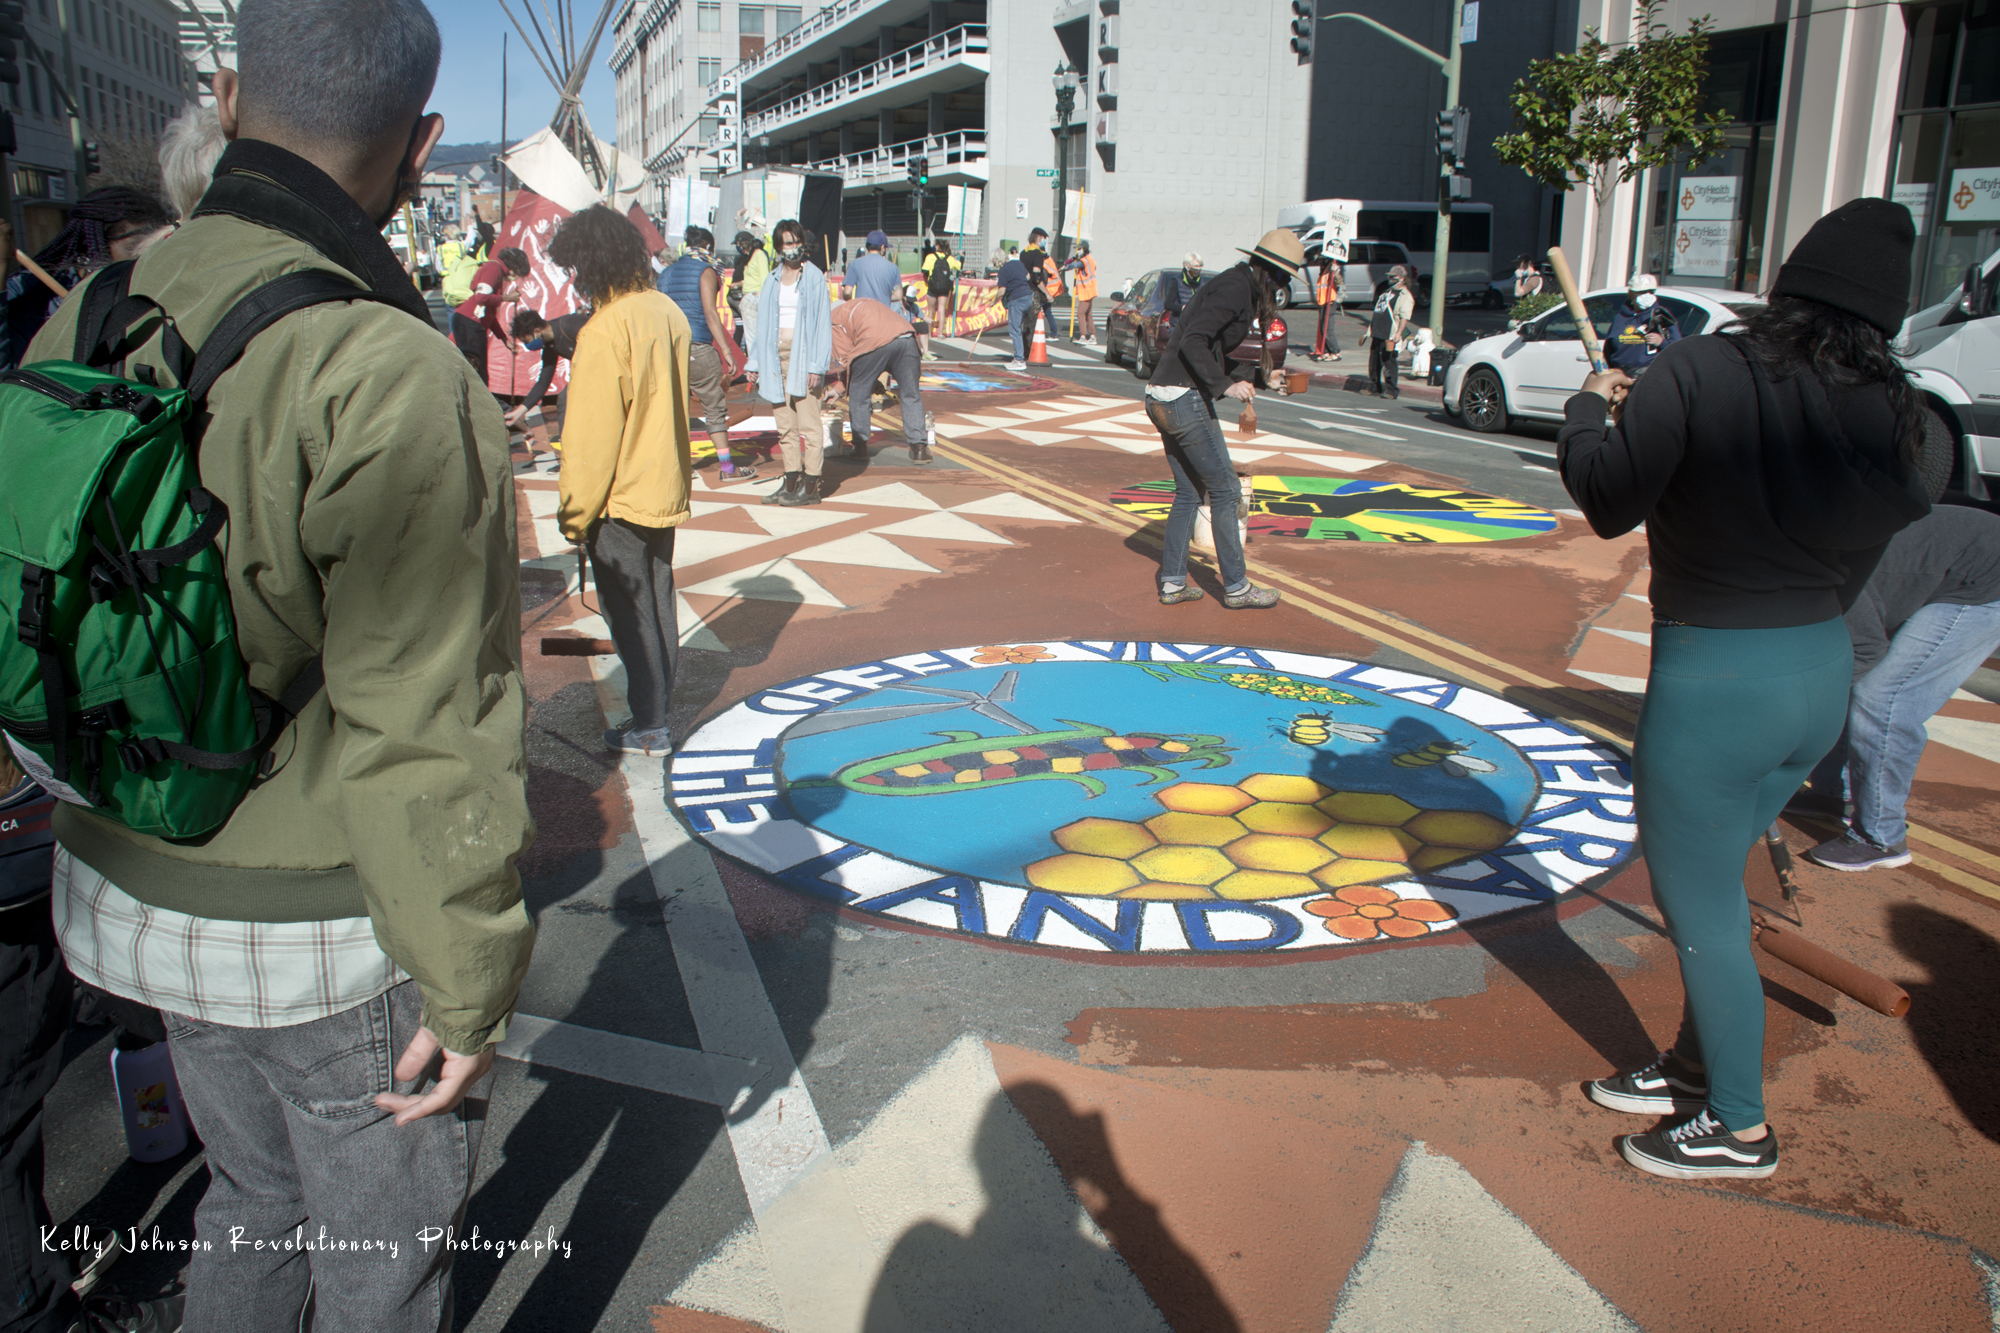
[1947,161]
[1706,224]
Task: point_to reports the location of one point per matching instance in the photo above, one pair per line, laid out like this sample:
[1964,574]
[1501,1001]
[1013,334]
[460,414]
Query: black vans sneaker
[1700,1149]
[1664,1087]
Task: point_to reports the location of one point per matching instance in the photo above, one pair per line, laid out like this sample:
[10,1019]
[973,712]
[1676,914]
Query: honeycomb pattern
[1272,835]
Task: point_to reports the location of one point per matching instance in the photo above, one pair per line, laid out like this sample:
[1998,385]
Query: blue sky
[468,86]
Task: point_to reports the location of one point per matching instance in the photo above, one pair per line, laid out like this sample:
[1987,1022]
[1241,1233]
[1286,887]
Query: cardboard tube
[564,645]
[1585,329]
[1857,983]
[41,273]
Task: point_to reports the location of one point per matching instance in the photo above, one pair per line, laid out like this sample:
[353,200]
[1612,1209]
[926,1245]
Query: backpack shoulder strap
[259,311]
[100,298]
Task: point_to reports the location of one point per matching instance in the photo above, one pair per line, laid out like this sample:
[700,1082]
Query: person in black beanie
[1771,465]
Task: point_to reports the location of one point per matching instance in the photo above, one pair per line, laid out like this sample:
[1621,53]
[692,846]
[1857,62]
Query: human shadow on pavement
[601,1160]
[1955,1011]
[1530,942]
[1026,1264]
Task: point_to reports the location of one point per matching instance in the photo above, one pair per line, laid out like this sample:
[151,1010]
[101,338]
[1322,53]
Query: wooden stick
[1584,328]
[41,273]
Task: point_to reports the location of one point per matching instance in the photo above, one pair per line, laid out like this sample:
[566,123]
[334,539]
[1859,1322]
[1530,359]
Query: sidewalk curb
[1359,384]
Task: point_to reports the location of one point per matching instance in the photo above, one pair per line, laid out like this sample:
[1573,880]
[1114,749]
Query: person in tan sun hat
[1192,373]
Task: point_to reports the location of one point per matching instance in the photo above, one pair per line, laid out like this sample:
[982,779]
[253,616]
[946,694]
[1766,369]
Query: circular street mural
[1154,798]
[1336,509]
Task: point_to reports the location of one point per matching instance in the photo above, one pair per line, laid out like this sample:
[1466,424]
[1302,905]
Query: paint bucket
[1204,526]
[1297,381]
[149,1099]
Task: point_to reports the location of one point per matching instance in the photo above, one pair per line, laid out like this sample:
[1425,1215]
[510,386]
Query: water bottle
[149,1098]
[930,428]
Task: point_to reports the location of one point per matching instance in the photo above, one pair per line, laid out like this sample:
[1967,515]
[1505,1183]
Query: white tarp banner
[690,203]
[1704,249]
[961,209]
[1707,199]
[1974,196]
[548,168]
[1079,212]
[1338,227]
[628,177]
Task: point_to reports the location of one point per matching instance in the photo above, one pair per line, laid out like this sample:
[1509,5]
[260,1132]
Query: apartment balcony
[945,63]
[955,159]
[818,40]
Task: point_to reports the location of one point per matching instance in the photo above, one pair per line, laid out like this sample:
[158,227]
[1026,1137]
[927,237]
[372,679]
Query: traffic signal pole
[1449,63]
[75,116]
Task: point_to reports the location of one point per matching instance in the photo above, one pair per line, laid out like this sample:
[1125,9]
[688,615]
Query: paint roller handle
[21,257]
[1585,329]
[1857,983]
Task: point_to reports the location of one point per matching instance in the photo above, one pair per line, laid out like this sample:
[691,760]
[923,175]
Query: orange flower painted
[1364,911]
[1020,652]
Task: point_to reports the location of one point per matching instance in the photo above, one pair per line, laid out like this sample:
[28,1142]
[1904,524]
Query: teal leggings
[1734,721]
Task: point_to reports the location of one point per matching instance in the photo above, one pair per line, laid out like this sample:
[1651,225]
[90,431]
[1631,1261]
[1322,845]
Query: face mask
[534,344]
[1644,300]
[792,254]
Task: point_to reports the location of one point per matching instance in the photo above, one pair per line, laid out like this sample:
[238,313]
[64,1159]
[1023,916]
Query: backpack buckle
[37,605]
[140,753]
[102,582]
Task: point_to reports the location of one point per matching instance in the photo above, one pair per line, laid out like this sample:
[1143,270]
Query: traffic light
[12,30]
[1302,30]
[93,165]
[1453,125]
[920,172]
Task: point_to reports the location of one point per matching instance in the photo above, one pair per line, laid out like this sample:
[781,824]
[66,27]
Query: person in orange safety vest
[1327,294]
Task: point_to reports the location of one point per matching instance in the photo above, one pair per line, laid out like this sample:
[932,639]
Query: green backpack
[121,687]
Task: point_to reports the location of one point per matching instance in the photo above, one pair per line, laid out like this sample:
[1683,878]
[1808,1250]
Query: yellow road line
[1963,879]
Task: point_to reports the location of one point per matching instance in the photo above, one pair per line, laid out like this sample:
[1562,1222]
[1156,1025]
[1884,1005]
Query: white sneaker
[1017,365]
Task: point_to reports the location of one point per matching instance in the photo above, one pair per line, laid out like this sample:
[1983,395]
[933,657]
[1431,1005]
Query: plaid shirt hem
[254,974]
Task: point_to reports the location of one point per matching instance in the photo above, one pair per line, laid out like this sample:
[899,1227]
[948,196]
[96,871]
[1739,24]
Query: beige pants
[801,434]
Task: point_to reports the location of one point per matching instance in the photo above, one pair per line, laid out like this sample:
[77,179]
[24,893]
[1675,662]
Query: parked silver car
[1367,268]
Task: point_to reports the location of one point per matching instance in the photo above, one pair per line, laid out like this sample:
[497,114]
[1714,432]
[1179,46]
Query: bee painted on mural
[1446,757]
[1317,729]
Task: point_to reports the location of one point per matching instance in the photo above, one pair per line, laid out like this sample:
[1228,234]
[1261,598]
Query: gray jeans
[898,358]
[634,571]
[300,1159]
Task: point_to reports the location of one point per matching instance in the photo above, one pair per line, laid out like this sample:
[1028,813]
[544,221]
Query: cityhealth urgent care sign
[1974,196]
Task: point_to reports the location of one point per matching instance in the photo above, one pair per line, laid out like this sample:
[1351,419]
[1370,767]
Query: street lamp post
[1065,82]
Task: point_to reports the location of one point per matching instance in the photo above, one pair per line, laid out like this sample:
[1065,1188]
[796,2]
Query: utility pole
[1441,253]
[502,160]
[1065,81]
[75,120]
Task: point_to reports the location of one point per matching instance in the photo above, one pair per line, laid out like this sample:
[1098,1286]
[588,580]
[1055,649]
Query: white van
[1414,227]
[1952,351]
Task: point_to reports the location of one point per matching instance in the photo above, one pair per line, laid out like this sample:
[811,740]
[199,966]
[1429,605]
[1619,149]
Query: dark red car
[1137,329]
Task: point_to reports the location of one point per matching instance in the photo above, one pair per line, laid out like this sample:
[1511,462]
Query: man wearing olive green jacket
[336,963]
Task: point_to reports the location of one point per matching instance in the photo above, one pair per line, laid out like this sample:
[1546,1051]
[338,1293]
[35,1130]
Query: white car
[1530,372]
[1952,350]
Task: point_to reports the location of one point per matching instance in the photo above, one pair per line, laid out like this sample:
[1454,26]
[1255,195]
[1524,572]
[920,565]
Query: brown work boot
[806,494]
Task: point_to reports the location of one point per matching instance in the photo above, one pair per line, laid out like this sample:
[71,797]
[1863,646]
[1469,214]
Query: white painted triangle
[989,421]
[765,483]
[1045,437]
[1629,684]
[694,634]
[694,545]
[703,508]
[1631,635]
[753,425]
[783,521]
[1008,504]
[1249,455]
[900,494]
[1134,446]
[1446,1257]
[945,526]
[1968,734]
[864,548]
[1346,462]
[542,500]
[778,581]
[1081,403]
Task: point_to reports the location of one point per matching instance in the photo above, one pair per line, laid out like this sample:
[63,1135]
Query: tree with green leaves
[1602,114]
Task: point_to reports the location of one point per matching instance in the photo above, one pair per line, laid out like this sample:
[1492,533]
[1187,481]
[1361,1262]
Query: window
[709,71]
[708,16]
[788,19]
[706,133]
[35,88]
[750,20]
[1949,139]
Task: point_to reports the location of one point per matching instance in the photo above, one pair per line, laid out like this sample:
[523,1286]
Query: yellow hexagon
[1117,838]
[1182,865]
[1370,842]
[1075,873]
[1272,851]
[1344,872]
[1283,787]
[1461,828]
[1367,807]
[1247,885]
[1159,892]
[1432,858]
[1297,821]
[1202,798]
[1195,830]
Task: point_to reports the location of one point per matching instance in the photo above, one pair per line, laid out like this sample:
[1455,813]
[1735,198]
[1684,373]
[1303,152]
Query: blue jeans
[1200,460]
[1017,318]
[1929,657]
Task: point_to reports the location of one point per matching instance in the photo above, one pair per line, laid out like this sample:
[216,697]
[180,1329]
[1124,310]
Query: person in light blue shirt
[876,277]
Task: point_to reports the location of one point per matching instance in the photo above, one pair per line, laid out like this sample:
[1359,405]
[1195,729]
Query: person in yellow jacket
[1083,290]
[941,273]
[626,459]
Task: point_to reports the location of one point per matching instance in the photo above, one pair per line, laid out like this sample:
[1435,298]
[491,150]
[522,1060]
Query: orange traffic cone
[1038,350]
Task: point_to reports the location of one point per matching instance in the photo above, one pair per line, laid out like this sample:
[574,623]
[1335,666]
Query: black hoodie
[1766,504]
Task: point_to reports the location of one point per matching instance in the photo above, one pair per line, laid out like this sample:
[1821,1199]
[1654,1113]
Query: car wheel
[1943,461]
[1282,298]
[1142,359]
[1482,402]
[1112,356]
[1493,301]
